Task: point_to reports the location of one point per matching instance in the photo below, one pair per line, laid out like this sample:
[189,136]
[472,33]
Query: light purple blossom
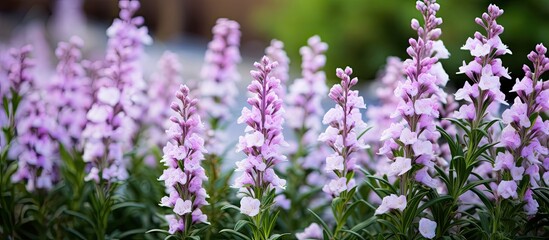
[313,231]
[400,166]
[342,134]
[427,228]
[391,202]
[249,206]
[263,137]
[183,155]
[531,207]
[507,189]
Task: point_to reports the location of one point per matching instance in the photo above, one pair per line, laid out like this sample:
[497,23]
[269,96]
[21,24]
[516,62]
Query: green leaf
[158,230]
[6,105]
[364,224]
[433,202]
[128,204]
[74,232]
[363,132]
[353,233]
[131,232]
[233,232]
[230,206]
[460,123]
[389,225]
[241,223]
[80,216]
[277,236]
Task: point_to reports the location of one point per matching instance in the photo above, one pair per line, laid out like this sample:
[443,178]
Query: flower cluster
[524,134]
[380,115]
[344,133]
[34,147]
[18,69]
[166,77]
[16,81]
[70,94]
[306,93]
[263,138]
[484,71]
[111,122]
[420,97]
[313,231]
[219,72]
[183,155]
[276,53]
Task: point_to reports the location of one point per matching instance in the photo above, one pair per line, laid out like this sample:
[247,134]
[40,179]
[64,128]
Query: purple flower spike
[70,94]
[525,132]
[168,76]
[380,116]
[344,132]
[263,138]
[306,93]
[119,99]
[18,66]
[420,97]
[485,70]
[34,147]
[183,155]
[219,71]
[276,53]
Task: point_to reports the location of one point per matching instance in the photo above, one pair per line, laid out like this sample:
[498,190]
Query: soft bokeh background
[360,33]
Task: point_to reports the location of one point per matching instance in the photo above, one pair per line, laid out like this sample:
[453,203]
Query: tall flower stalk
[275,52]
[183,155]
[304,118]
[262,145]
[482,99]
[14,88]
[218,92]
[412,143]
[344,136]
[70,99]
[220,73]
[379,115]
[306,93]
[34,148]
[167,76]
[70,92]
[518,166]
[111,124]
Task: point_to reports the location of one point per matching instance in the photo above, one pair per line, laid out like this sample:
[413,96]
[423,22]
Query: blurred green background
[362,33]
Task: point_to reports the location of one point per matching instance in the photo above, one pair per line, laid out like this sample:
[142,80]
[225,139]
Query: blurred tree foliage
[363,33]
